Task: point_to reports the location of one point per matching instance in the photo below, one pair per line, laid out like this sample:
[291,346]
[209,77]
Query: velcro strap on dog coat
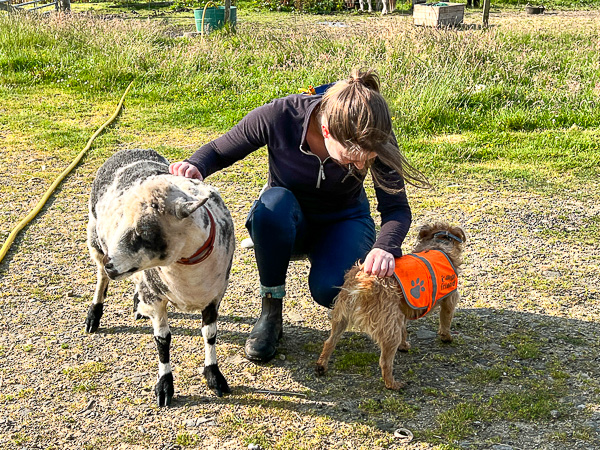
[425,278]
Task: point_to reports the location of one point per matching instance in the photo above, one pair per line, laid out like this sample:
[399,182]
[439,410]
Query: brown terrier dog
[381,306]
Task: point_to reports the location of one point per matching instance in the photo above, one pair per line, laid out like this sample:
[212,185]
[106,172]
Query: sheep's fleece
[143,224]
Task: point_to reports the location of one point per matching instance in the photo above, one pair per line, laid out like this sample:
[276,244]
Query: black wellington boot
[261,345]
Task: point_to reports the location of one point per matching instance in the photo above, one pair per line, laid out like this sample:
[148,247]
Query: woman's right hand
[185,169]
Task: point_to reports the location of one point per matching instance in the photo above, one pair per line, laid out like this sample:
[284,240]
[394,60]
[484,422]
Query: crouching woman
[320,148]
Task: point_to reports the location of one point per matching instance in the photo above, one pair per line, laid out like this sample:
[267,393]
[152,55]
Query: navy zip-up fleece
[319,187]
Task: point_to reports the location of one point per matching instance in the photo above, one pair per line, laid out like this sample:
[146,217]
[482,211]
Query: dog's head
[442,236]
[145,227]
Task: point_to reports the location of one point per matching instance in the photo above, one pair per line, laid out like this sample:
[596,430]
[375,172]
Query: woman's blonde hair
[358,117]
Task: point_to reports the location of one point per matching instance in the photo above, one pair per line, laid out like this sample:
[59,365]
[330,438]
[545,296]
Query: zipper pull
[321,175]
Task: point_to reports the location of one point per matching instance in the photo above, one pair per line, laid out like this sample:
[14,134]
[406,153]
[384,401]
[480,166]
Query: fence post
[486,12]
[227,11]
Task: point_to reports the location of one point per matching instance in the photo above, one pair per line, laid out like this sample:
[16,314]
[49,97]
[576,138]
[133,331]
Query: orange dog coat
[425,278]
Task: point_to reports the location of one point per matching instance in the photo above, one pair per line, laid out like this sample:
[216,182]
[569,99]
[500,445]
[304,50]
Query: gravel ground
[523,371]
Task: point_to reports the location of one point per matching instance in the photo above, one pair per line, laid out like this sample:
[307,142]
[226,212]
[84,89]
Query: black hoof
[164,390]
[92,321]
[216,381]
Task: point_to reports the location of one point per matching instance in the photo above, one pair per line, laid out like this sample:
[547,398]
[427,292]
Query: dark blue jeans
[332,241]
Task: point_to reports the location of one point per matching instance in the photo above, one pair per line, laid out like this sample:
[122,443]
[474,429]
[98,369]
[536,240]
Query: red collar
[203,252]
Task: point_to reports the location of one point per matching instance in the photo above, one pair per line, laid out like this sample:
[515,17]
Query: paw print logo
[417,287]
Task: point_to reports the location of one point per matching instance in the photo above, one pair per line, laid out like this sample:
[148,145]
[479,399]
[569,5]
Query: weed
[187,439]
[85,372]
[350,360]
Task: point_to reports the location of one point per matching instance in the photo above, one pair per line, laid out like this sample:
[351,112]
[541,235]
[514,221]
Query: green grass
[514,107]
[539,107]
[355,360]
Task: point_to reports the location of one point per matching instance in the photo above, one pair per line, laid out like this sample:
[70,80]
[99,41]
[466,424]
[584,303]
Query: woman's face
[341,154]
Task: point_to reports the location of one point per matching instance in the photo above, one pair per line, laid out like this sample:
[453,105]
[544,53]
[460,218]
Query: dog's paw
[446,337]
[320,369]
[216,381]
[395,385]
[404,347]
[164,389]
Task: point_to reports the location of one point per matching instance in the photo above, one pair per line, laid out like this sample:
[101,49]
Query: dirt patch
[522,373]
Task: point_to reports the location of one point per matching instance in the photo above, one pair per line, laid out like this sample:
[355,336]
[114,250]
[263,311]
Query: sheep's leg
[338,326]
[370,3]
[136,301]
[92,321]
[214,378]
[362,5]
[157,311]
[384,8]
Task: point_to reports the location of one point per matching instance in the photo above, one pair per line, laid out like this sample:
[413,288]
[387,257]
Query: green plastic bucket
[214,18]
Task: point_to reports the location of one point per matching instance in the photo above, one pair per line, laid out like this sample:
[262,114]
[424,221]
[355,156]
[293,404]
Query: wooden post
[486,12]
[227,10]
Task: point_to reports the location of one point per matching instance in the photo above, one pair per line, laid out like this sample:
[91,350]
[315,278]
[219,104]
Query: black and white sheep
[174,238]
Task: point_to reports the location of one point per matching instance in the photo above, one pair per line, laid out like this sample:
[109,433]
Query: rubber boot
[261,345]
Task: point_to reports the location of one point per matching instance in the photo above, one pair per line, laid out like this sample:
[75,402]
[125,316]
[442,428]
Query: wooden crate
[435,16]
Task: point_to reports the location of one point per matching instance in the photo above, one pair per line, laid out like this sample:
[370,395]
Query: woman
[320,148]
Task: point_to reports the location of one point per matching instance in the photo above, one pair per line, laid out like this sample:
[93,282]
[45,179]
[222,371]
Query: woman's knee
[276,208]
[276,219]
[324,290]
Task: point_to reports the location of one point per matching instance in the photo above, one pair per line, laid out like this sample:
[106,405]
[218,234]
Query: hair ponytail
[359,118]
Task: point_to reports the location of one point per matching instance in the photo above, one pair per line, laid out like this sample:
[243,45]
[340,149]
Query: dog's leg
[157,311]
[404,344]
[215,380]
[339,323]
[446,314]
[386,362]
[92,321]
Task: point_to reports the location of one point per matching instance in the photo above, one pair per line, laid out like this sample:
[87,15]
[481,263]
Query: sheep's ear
[183,209]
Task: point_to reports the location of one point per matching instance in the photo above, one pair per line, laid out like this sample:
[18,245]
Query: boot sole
[259,358]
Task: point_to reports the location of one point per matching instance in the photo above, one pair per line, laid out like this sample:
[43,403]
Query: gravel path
[523,372]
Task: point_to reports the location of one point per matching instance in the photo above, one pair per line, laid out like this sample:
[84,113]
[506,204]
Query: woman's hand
[379,263]
[185,169]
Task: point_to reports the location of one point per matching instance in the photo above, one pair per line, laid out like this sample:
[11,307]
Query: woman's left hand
[379,263]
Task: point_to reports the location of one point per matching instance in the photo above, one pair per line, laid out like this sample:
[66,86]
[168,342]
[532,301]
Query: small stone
[502,447]
[282,357]
[555,414]
[424,334]
[551,274]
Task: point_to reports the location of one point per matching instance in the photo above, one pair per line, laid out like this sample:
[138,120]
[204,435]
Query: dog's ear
[425,232]
[183,208]
[458,231]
